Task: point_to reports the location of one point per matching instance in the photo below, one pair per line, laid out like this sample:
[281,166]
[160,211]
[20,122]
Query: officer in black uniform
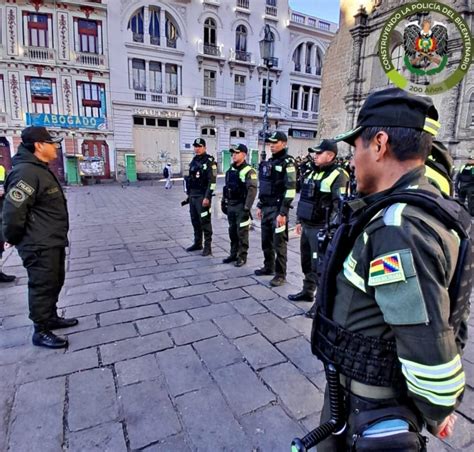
[317,208]
[439,168]
[35,220]
[277,178]
[465,184]
[200,186]
[3,277]
[385,319]
[238,197]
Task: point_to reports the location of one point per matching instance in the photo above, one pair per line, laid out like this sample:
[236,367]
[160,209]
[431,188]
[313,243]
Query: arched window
[241,39]
[297,58]
[210,32]
[154,27]
[237,133]
[136,25]
[171,32]
[318,63]
[208,132]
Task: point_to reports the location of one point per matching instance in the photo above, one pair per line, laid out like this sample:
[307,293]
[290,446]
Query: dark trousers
[2,244]
[239,225]
[467,193]
[201,220]
[46,271]
[274,241]
[308,254]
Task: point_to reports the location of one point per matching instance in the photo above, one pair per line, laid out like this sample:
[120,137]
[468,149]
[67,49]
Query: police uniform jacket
[202,176]
[246,188]
[35,213]
[394,286]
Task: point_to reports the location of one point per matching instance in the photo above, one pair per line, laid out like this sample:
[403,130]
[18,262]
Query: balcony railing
[245,4]
[243,106]
[157,98]
[140,96]
[212,102]
[270,62]
[210,49]
[172,99]
[271,11]
[39,53]
[90,59]
[171,43]
[154,40]
[271,109]
[312,22]
[241,55]
[137,37]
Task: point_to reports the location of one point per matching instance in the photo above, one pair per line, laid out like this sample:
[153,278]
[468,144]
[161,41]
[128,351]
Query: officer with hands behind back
[238,197]
[200,186]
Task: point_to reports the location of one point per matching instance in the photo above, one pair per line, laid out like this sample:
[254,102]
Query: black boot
[6,278]
[45,338]
[229,259]
[207,251]
[264,271]
[194,247]
[60,322]
[301,296]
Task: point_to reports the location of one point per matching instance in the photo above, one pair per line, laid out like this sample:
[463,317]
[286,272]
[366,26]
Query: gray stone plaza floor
[174,351]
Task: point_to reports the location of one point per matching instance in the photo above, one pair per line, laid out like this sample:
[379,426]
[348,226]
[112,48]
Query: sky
[324,9]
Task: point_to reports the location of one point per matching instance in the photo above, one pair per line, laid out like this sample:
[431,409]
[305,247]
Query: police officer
[465,184]
[439,168]
[277,190]
[239,195]
[317,208]
[384,311]
[3,277]
[200,186]
[35,220]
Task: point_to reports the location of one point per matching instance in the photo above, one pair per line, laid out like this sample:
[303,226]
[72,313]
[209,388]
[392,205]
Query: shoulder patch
[16,196]
[386,270]
[253,175]
[28,189]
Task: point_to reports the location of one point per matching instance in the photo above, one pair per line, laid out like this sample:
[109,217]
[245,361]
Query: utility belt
[270,202]
[368,391]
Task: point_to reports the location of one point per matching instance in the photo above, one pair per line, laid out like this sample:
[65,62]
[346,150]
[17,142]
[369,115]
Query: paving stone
[258,351]
[101,335]
[192,290]
[284,309]
[467,406]
[92,399]
[129,315]
[16,336]
[183,304]
[234,326]
[85,323]
[273,328]
[217,352]
[319,379]
[226,295]
[135,347]
[302,324]
[135,265]
[209,421]
[93,287]
[271,429]
[37,416]
[235,282]
[242,389]
[119,292]
[15,321]
[137,370]
[295,391]
[298,351]
[112,276]
[193,332]
[260,292]
[103,438]
[205,278]
[165,322]
[463,437]
[7,395]
[211,312]
[183,370]
[174,443]
[248,306]
[148,413]
[71,300]
[57,364]
[96,307]
[141,300]
[165,284]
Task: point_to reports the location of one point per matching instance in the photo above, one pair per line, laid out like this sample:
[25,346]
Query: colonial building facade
[54,72]
[182,69]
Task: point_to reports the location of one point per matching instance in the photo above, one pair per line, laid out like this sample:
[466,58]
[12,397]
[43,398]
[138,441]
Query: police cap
[239,148]
[199,142]
[277,136]
[394,107]
[325,145]
[35,134]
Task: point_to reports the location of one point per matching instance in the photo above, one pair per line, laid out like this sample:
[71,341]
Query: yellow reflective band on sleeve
[245,223]
[328,181]
[212,187]
[439,180]
[280,229]
[205,213]
[2,173]
[351,275]
[456,235]
[393,214]
[431,126]
[342,190]
[290,169]
[243,173]
[290,193]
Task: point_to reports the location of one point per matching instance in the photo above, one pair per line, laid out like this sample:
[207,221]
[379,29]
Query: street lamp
[266,52]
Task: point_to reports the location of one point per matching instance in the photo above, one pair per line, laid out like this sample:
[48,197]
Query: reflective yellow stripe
[212,187]
[245,223]
[244,172]
[328,181]
[433,123]
[290,169]
[204,214]
[393,214]
[438,179]
[290,193]
[439,371]
[2,173]
[280,229]
[430,130]
[351,275]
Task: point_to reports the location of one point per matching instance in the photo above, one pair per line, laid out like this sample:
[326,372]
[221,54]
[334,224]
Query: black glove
[224,206]
[186,201]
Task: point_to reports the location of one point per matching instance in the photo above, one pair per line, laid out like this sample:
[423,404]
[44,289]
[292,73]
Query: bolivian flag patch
[385,270]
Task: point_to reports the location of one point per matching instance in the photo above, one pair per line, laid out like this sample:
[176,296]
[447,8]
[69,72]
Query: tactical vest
[371,360]
[198,171]
[271,175]
[466,174]
[316,196]
[235,187]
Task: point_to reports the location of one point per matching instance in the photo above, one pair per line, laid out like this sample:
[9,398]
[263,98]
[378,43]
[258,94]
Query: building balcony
[271,109]
[303,20]
[243,5]
[39,54]
[90,59]
[157,98]
[236,105]
[309,115]
[212,102]
[213,50]
[271,11]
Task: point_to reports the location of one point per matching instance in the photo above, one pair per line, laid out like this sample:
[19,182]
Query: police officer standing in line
[465,184]
[35,220]
[439,168]
[384,294]
[318,205]
[200,186]
[277,190]
[3,278]
[238,197]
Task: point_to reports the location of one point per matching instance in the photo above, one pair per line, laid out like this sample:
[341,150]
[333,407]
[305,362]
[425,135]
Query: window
[91,98]
[37,30]
[308,62]
[171,32]
[154,27]
[305,101]
[156,84]
[171,79]
[237,134]
[208,132]
[41,90]
[209,83]
[295,89]
[315,101]
[88,36]
[470,114]
[241,39]
[136,25]
[138,75]
[319,61]
[264,84]
[297,58]
[239,87]
[210,32]
[271,2]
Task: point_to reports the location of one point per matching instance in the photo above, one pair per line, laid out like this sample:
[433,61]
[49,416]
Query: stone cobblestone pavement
[174,351]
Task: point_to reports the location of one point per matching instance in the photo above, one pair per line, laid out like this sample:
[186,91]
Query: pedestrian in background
[168,174]
[35,220]
[3,277]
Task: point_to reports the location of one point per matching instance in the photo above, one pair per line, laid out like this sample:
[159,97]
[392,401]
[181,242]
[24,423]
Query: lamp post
[266,52]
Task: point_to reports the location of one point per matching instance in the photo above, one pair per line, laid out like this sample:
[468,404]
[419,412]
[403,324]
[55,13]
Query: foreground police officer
[3,277]
[465,184]
[238,197]
[318,205]
[200,186]
[385,319]
[35,220]
[277,190]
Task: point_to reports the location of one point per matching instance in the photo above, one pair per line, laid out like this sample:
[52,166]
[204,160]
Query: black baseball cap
[394,107]
[277,136]
[325,145]
[198,142]
[239,148]
[35,134]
